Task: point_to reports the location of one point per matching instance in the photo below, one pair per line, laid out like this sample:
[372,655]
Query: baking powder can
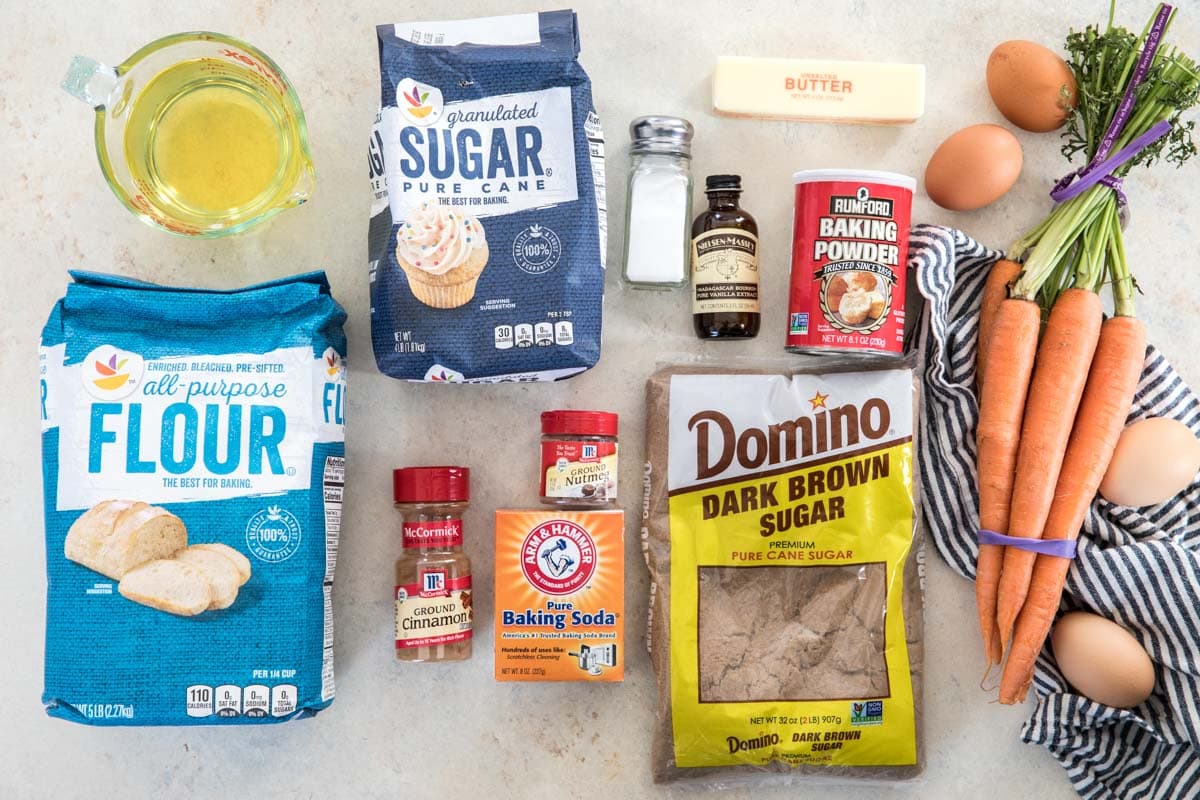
[849,261]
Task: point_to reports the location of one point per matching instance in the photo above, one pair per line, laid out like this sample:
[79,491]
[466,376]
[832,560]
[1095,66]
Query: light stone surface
[449,730]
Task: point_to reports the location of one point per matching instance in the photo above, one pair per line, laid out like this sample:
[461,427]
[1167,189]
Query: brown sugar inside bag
[786,607]
[815,618]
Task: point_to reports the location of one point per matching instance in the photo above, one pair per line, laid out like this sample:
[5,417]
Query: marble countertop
[443,730]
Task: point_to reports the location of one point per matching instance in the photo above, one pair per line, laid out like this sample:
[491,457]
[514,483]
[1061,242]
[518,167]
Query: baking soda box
[560,595]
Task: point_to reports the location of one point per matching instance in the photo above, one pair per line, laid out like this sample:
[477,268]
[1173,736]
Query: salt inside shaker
[659,208]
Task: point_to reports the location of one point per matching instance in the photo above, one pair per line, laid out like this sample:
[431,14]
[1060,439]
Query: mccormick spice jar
[433,575]
[849,261]
[579,458]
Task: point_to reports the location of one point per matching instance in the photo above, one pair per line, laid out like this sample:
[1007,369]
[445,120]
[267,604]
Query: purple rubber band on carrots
[1062,548]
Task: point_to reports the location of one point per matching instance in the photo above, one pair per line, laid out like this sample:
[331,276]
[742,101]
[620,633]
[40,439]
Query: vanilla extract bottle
[725,302]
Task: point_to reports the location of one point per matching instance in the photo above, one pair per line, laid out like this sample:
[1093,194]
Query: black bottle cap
[723,183]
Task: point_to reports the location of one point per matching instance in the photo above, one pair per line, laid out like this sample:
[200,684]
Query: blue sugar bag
[487,235]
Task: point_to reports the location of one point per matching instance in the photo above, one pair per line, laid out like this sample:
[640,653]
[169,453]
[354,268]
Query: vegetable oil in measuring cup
[210,140]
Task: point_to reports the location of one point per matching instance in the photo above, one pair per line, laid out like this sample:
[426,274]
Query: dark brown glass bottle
[725,264]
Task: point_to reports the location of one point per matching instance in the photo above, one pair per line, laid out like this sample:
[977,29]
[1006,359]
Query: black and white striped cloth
[1138,567]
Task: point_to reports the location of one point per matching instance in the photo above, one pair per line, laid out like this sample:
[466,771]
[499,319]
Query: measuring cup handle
[90,81]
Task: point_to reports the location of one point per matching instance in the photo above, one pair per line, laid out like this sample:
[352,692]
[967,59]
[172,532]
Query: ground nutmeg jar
[579,459]
[433,574]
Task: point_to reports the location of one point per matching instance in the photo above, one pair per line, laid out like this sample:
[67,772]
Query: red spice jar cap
[585,423]
[431,484]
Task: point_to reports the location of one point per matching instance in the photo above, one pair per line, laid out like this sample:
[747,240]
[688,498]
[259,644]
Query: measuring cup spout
[90,81]
[305,182]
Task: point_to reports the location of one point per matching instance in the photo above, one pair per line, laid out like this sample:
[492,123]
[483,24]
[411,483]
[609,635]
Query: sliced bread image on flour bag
[193,463]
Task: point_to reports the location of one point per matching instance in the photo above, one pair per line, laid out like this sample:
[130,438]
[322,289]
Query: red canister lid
[431,484]
[585,423]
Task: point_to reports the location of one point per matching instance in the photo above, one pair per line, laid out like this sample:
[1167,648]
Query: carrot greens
[1079,242]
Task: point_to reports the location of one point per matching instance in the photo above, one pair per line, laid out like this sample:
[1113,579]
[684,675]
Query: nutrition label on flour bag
[333,485]
[232,700]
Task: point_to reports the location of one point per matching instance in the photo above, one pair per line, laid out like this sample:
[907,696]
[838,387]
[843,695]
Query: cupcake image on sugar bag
[442,252]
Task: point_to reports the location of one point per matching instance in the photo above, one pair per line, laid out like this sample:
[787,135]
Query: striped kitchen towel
[1139,567]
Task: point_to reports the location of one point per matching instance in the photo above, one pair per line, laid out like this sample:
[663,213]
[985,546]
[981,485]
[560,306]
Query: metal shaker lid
[659,134]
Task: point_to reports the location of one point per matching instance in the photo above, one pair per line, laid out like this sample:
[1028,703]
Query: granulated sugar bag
[786,594]
[487,235]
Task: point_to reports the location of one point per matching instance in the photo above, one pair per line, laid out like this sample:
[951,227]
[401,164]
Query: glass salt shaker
[658,211]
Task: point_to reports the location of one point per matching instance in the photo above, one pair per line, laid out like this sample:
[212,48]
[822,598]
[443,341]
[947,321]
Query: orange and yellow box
[560,595]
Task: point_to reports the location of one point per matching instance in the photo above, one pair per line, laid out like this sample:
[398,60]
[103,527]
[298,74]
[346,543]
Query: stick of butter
[815,90]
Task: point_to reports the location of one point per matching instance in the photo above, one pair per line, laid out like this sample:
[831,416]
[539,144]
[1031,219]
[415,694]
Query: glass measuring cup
[198,134]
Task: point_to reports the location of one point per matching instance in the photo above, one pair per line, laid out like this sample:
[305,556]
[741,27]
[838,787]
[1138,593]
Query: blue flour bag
[487,233]
[192,455]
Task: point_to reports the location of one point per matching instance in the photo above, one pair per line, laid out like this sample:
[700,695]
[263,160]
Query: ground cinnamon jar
[433,574]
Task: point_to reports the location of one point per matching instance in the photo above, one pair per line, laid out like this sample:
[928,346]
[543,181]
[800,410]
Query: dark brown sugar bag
[786,608]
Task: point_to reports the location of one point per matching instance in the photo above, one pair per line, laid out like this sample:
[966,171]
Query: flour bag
[192,459]
[487,235]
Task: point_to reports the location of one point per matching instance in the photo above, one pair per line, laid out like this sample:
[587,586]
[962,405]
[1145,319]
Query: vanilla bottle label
[725,272]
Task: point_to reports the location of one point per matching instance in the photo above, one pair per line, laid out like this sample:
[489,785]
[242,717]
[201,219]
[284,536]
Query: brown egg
[1101,660]
[1156,459]
[973,167]
[1033,88]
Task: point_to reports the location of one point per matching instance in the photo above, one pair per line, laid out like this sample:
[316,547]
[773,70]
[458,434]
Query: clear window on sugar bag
[792,633]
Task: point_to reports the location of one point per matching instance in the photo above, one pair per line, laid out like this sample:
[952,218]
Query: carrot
[1112,380]
[1059,375]
[1003,273]
[1001,406]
